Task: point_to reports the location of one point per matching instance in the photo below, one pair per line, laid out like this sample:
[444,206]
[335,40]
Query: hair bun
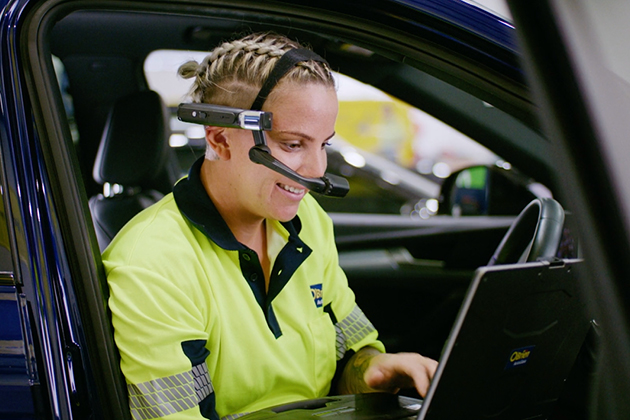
[189,69]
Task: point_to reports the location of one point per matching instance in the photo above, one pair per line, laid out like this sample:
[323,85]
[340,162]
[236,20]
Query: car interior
[119,133]
[133,153]
[108,156]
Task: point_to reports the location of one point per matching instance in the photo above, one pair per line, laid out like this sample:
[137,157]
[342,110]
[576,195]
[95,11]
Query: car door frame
[584,112]
[82,373]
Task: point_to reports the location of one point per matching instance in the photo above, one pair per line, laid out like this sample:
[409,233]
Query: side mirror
[488,190]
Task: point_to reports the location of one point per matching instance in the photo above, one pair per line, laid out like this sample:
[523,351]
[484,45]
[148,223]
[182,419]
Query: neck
[244,226]
[248,230]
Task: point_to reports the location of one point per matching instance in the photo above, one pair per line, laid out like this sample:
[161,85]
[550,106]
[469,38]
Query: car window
[68,104]
[395,156]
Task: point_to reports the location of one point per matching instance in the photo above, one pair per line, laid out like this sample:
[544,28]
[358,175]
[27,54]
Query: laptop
[512,346]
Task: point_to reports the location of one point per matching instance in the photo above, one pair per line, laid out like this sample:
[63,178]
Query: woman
[227,296]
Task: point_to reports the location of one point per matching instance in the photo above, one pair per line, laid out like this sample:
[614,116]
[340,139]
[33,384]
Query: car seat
[135,163]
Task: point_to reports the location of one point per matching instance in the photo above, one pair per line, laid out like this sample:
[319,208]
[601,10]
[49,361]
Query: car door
[71,365]
[577,54]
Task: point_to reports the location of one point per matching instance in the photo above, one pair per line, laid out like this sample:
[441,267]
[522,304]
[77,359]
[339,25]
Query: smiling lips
[294,190]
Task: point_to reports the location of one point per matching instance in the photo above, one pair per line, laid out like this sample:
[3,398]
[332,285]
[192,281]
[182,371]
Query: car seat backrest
[135,163]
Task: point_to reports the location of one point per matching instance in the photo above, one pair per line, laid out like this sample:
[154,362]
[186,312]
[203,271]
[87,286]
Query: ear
[217,139]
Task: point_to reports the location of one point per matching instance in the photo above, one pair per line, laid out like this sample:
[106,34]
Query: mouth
[292,190]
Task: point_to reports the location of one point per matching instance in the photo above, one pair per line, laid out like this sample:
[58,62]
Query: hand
[372,371]
[392,372]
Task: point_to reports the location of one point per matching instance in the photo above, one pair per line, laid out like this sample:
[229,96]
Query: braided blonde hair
[233,73]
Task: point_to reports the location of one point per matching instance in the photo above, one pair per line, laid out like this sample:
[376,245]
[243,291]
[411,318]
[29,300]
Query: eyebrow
[306,136]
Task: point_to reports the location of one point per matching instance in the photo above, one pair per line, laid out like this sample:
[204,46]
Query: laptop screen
[513,344]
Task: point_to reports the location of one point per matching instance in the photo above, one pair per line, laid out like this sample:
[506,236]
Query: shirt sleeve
[353,328]
[159,332]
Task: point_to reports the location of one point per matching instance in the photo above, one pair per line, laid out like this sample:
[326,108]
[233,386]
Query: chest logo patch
[318,296]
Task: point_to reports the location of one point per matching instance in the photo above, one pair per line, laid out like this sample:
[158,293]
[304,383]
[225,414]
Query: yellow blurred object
[381,127]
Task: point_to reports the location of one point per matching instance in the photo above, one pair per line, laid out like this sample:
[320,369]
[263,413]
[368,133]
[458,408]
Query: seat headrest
[134,149]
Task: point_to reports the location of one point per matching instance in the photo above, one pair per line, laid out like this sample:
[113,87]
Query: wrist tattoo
[352,381]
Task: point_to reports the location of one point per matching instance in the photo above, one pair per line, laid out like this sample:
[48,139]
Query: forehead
[291,98]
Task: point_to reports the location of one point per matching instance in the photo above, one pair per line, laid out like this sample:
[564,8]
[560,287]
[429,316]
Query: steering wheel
[535,233]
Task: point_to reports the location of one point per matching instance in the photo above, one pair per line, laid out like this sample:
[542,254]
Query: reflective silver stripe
[203,385]
[341,342]
[169,395]
[352,329]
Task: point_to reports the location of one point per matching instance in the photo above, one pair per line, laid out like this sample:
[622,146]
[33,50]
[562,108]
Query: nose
[314,164]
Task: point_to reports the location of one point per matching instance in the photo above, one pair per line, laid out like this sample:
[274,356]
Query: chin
[285,215]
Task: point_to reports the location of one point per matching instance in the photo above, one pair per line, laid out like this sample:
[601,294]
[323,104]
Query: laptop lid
[513,344]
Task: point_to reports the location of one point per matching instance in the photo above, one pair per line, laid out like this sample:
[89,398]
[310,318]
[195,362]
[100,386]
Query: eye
[292,146]
[326,143]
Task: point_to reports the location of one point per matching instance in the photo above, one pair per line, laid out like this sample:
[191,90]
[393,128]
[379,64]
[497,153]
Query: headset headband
[288,60]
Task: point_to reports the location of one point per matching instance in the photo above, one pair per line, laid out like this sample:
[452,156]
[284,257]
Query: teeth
[292,189]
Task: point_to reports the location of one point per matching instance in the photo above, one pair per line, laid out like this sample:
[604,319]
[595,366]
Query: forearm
[352,380]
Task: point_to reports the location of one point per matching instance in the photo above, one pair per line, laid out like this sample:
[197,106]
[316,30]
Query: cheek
[293,161]
[280,154]
[260,179]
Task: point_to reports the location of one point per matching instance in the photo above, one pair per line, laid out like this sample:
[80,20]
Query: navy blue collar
[195,204]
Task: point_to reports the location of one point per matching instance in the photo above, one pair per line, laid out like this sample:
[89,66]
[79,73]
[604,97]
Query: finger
[422,381]
[423,372]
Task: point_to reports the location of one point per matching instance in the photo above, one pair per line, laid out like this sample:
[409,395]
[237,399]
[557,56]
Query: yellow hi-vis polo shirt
[199,337]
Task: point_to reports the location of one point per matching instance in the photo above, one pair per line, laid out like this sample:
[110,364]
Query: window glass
[64,86]
[395,156]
